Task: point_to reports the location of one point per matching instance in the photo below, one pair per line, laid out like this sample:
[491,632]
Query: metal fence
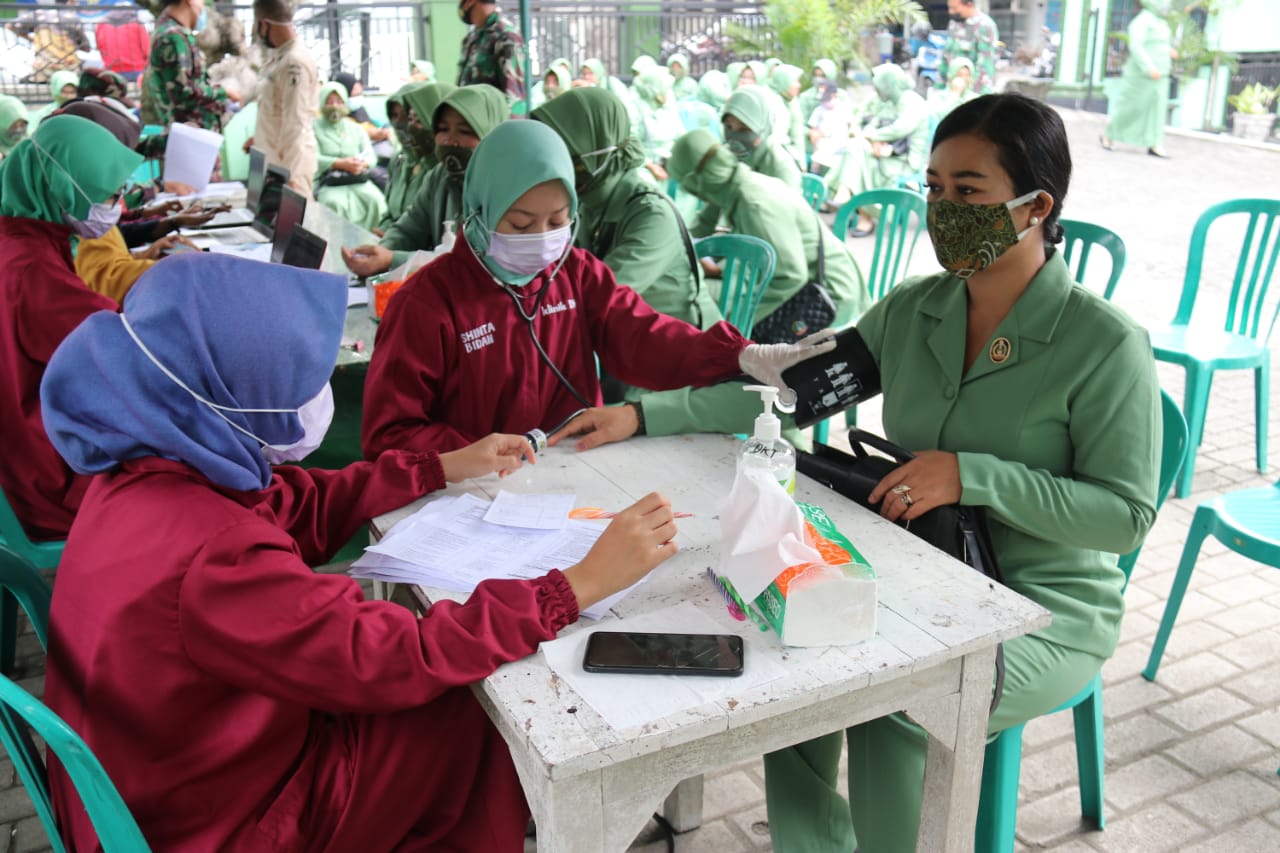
[1261,68]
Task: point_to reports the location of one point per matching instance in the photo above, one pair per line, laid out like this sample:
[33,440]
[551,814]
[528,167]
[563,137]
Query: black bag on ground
[339,178]
[960,531]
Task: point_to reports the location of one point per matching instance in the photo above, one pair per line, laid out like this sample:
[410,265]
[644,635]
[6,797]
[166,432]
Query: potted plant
[1253,118]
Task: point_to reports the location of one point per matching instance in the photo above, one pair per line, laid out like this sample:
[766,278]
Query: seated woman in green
[405,171]
[658,123]
[785,81]
[1020,392]
[344,158]
[764,207]
[461,120]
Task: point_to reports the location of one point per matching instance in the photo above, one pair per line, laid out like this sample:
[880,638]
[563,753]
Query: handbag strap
[822,261]
[860,437]
[690,254]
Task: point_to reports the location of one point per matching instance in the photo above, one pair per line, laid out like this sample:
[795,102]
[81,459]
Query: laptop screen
[264,219]
[293,206]
[305,249]
[257,174]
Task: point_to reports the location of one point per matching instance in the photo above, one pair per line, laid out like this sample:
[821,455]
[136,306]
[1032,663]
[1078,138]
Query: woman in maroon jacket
[502,333]
[238,700]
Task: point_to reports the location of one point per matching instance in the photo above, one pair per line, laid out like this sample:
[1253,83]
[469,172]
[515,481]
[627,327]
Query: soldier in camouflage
[491,50]
[174,86]
[972,35]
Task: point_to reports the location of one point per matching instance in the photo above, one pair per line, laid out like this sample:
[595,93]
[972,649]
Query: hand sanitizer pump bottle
[767,448]
[447,238]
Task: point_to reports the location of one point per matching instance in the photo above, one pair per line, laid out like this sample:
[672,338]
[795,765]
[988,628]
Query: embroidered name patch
[478,338]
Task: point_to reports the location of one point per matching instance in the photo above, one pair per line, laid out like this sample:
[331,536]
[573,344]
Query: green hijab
[59,79]
[11,110]
[653,83]
[704,167]
[425,68]
[734,70]
[590,121]
[681,60]
[326,90]
[36,179]
[483,106]
[512,159]
[783,78]
[643,63]
[714,88]
[750,105]
[890,81]
[828,68]
[423,98]
[597,68]
[761,71]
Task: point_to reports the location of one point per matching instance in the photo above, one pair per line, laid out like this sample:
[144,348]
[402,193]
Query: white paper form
[190,154]
[536,512]
[627,701]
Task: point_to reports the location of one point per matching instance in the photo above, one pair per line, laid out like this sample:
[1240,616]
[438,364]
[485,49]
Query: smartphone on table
[637,653]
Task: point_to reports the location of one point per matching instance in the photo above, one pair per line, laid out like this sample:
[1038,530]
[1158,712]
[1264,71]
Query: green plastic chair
[895,244]
[1200,350]
[998,806]
[814,190]
[42,555]
[748,264]
[116,828]
[1078,242]
[235,160]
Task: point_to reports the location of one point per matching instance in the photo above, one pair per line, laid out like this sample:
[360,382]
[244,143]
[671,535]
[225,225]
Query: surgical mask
[202,20]
[585,178]
[528,254]
[333,115]
[968,238]
[316,415]
[315,421]
[454,158]
[355,102]
[741,143]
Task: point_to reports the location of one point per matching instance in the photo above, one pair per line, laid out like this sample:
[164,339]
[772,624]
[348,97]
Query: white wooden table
[592,788]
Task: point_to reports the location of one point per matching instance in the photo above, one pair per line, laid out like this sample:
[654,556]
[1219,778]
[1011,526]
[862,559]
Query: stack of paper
[449,545]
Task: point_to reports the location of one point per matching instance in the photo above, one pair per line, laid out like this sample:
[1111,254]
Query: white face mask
[316,414]
[529,254]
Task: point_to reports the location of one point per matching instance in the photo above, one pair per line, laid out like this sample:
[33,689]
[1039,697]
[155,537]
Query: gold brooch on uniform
[1000,350]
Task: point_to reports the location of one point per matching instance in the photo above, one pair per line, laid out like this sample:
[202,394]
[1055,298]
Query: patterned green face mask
[968,238]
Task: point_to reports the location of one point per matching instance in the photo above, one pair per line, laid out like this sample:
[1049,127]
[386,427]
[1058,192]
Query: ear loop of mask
[595,173]
[1019,202]
[217,409]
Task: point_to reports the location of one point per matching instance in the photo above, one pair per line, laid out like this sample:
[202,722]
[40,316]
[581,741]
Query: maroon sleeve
[55,302]
[321,510]
[252,613]
[405,375]
[643,347]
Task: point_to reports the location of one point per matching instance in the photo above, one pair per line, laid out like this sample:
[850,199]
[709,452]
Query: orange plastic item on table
[381,293]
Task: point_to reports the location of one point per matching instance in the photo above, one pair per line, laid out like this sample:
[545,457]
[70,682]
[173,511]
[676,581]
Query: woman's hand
[930,480]
[657,171]
[162,208]
[496,452]
[350,165]
[164,246]
[367,260]
[601,425]
[196,216]
[638,540]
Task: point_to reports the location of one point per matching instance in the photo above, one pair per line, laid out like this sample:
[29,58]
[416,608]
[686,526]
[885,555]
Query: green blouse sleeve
[1108,503]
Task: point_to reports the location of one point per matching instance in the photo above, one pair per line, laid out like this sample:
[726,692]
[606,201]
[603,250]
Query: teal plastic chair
[235,160]
[1201,350]
[41,555]
[998,806]
[814,190]
[748,264]
[1077,244]
[896,239]
[116,828]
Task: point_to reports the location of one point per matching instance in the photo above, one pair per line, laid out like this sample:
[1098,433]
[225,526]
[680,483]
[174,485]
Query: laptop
[264,219]
[253,193]
[305,249]
[293,206]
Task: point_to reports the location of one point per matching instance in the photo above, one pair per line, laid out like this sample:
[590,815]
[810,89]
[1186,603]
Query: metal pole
[526,25]
[365,34]
[335,39]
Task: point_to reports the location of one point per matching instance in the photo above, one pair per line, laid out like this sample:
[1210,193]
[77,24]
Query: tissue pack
[820,604]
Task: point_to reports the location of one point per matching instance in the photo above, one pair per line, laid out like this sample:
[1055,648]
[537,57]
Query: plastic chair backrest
[747,271]
[814,190]
[895,238]
[1173,449]
[1080,237]
[116,828]
[235,160]
[1255,265]
[42,555]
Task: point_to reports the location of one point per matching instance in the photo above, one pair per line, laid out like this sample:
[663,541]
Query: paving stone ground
[1191,759]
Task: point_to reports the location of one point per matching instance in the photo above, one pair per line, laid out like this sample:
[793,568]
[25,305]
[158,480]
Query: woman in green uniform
[405,171]
[462,119]
[785,80]
[1141,103]
[62,88]
[344,158]
[1020,392]
[685,87]
[13,123]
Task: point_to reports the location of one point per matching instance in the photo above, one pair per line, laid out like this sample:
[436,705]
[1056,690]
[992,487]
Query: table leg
[683,807]
[953,776]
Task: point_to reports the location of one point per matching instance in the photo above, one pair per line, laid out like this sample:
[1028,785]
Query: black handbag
[339,178]
[809,310]
[960,531]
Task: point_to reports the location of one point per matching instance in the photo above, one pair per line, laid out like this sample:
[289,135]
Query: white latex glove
[765,362]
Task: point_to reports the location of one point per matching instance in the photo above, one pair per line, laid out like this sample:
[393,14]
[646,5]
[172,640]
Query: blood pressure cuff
[832,382]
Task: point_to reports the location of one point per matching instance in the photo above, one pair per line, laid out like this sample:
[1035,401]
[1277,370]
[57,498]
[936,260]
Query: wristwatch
[639,410]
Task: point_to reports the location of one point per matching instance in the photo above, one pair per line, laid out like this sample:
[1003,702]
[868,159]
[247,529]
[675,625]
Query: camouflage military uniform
[174,86]
[975,39]
[491,54]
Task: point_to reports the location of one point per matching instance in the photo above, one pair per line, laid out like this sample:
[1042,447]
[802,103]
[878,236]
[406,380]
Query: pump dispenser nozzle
[768,425]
